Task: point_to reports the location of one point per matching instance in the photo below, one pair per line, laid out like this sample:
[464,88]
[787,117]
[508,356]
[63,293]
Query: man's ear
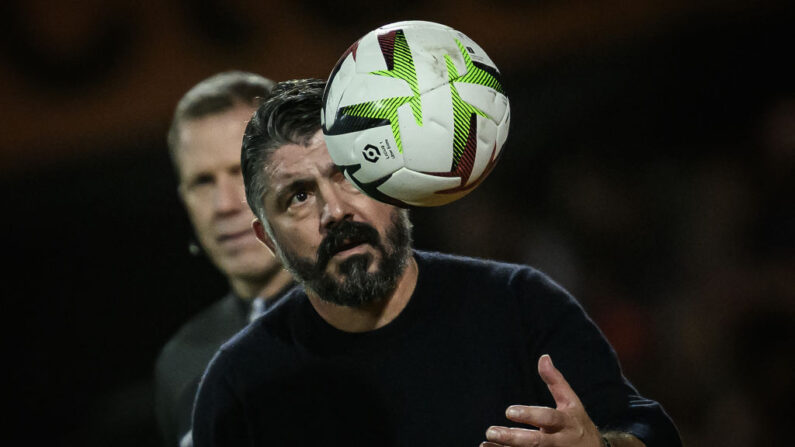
[263,236]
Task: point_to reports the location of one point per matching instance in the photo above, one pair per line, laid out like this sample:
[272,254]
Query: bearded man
[389,346]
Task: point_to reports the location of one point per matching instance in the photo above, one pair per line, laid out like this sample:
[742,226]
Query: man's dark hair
[291,115]
[214,95]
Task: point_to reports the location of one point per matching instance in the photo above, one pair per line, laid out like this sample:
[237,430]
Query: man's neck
[373,315]
[267,289]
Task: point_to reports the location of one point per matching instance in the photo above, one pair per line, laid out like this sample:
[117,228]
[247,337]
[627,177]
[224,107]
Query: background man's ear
[263,236]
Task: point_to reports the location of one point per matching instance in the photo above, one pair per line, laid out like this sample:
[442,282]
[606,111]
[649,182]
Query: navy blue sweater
[465,347]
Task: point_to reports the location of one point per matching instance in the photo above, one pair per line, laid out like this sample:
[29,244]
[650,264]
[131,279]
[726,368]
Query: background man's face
[211,186]
[335,239]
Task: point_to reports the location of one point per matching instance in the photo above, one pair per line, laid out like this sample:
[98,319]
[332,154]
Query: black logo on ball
[371,153]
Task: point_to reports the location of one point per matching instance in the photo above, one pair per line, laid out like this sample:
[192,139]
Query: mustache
[344,235]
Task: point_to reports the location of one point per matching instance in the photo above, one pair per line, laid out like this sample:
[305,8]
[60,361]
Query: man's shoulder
[273,331]
[490,281]
[449,260]
[464,268]
[184,357]
[215,322]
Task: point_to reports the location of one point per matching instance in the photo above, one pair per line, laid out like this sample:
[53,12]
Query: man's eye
[299,197]
[199,184]
[201,180]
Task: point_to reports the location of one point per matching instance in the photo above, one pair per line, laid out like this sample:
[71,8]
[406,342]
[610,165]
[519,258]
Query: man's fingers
[516,437]
[567,425]
[561,391]
[542,417]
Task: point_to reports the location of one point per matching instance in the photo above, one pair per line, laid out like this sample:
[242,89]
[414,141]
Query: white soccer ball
[415,114]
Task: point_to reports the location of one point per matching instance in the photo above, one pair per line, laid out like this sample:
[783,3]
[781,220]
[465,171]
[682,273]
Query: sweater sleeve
[556,324]
[219,419]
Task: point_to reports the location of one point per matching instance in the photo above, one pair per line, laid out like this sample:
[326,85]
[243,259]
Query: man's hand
[567,425]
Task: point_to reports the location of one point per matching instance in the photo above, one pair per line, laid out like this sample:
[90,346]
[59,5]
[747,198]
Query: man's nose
[228,196]
[335,207]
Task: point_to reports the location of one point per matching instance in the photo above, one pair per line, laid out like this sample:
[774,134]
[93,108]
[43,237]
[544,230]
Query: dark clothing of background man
[183,359]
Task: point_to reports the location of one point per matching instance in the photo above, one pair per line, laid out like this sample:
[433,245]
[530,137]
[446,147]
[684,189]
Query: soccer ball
[415,114]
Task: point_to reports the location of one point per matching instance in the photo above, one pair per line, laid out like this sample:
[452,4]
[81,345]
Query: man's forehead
[224,124]
[212,141]
[293,161]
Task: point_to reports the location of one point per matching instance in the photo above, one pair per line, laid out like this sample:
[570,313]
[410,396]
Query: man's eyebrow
[192,178]
[294,185]
[330,169]
[303,182]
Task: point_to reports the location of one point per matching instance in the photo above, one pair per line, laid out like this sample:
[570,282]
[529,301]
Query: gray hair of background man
[291,115]
[215,95]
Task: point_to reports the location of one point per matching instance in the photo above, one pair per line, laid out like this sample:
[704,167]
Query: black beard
[358,287]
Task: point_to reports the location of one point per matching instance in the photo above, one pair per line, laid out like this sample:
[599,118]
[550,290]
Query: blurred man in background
[204,143]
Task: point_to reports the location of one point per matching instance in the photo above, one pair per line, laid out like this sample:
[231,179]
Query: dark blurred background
[649,170]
